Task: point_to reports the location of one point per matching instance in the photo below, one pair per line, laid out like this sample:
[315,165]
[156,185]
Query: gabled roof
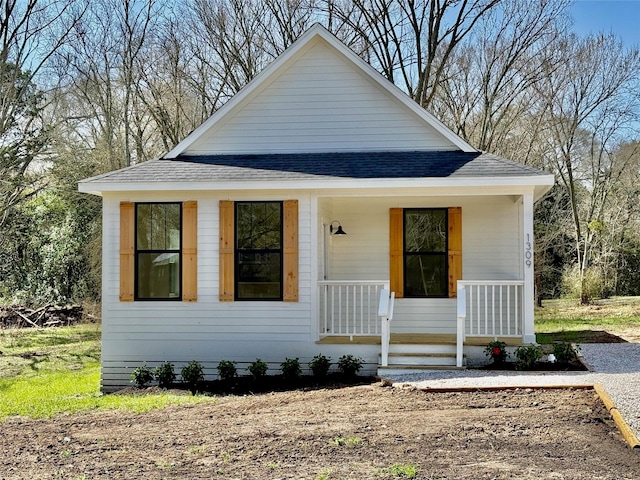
[317,33]
[321,170]
[382,159]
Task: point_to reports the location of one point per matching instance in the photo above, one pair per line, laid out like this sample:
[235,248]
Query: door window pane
[426,276]
[426,231]
[425,253]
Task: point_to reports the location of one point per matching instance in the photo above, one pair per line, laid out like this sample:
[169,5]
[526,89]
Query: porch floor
[414,339]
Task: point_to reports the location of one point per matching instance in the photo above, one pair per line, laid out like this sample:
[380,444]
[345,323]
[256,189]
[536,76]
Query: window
[173,224]
[252,273]
[425,253]
[258,251]
[158,254]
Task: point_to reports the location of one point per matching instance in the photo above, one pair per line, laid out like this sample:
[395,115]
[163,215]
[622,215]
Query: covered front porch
[359,313]
[492,296]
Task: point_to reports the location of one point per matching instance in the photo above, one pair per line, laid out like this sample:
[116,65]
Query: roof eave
[540,183]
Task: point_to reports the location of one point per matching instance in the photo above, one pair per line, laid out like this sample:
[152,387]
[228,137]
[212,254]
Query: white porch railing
[349,307]
[490,308]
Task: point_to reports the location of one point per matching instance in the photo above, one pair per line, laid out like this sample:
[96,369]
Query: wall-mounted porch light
[338,229]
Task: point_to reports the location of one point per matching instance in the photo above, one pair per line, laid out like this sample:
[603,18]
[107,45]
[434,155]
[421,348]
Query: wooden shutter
[227,235]
[127,250]
[189,251]
[396,250]
[455,250]
[290,251]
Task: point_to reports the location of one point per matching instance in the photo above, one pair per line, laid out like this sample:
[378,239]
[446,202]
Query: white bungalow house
[231,246]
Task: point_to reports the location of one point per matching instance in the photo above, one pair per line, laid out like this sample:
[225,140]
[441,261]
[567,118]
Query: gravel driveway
[614,365]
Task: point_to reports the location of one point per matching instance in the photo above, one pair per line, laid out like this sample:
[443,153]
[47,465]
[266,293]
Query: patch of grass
[324,474]
[197,450]
[398,470]
[29,351]
[44,372]
[21,339]
[567,320]
[54,392]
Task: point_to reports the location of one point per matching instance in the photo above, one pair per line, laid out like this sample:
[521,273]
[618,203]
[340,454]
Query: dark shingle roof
[309,166]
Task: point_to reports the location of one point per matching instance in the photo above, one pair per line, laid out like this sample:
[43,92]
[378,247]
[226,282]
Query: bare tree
[31,32]
[230,40]
[411,41]
[287,21]
[102,70]
[588,104]
[488,96]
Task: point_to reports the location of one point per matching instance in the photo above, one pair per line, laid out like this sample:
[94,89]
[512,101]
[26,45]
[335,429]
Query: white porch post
[528,333]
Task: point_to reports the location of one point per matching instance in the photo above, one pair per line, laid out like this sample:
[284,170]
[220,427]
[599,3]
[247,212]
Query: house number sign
[528,254]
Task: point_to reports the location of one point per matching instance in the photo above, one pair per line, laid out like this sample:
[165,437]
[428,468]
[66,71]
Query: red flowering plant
[497,351]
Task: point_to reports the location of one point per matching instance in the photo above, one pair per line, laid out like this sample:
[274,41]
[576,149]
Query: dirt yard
[357,432]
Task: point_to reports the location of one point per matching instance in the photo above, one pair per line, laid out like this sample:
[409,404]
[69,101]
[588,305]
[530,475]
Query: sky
[622,17]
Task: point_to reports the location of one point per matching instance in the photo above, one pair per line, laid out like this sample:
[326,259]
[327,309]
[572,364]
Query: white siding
[206,330]
[321,103]
[490,250]
[325,217]
[210,331]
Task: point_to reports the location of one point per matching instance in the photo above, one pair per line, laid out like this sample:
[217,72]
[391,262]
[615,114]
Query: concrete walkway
[614,365]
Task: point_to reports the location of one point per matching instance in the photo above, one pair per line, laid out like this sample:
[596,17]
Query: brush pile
[17,316]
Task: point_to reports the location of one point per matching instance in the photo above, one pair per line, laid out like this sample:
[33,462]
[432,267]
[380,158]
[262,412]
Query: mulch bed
[539,367]
[245,385]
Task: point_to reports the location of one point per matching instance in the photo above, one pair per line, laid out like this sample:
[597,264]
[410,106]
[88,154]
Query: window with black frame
[158,251]
[425,252]
[258,252]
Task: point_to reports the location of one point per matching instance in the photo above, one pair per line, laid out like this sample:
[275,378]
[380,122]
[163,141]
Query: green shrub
[497,351]
[165,374]
[320,365]
[193,374]
[527,356]
[403,471]
[141,376]
[350,365]
[291,368]
[258,369]
[565,352]
[227,369]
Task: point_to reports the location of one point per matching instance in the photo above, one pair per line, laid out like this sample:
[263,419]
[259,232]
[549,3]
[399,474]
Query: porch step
[422,349]
[412,357]
[423,359]
[413,369]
